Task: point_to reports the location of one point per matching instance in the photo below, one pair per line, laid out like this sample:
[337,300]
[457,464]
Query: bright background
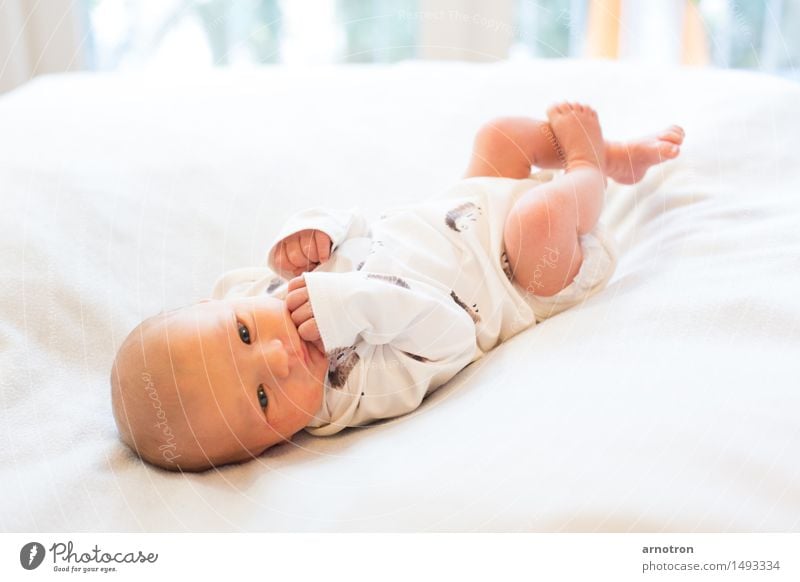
[39,36]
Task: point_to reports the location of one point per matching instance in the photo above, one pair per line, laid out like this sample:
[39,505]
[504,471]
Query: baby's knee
[499,134]
[542,244]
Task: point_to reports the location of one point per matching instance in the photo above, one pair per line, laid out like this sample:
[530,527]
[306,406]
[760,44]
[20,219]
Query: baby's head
[214,383]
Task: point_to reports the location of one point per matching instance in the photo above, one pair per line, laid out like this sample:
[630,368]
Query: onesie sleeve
[386,309]
[417,338]
[339,225]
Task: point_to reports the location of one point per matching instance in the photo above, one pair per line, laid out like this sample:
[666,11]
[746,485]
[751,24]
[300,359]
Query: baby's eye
[262,396]
[244,333]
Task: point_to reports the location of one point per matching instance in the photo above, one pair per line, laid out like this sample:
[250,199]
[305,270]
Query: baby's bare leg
[541,234]
[509,146]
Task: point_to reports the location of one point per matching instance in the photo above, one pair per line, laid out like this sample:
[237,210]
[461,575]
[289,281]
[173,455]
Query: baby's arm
[310,237]
[340,308]
[390,342]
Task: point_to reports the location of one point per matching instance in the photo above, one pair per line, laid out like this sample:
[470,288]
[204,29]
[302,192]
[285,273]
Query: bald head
[214,383]
[154,395]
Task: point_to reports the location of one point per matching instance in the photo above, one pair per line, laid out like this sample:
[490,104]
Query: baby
[378,314]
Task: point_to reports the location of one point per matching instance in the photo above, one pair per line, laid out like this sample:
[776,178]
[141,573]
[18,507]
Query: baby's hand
[303,251]
[300,309]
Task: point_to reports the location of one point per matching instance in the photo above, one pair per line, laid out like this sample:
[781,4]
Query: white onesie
[408,300]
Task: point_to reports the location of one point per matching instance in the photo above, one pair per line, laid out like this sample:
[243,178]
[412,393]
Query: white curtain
[39,36]
[652,31]
[468,30]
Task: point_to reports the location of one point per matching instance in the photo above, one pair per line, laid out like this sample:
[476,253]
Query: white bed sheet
[669,402]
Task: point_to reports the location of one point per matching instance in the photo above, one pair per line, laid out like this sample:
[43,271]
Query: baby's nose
[277,358]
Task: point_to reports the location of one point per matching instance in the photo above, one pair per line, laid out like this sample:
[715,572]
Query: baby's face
[247,379]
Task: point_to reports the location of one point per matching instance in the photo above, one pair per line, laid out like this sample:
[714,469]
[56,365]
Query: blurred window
[758,34]
[753,34]
[200,33]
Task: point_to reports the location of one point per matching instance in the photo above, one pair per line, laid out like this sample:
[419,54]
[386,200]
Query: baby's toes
[668,150]
[557,109]
[673,135]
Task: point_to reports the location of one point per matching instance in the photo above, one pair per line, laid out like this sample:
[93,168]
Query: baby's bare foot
[627,162]
[578,133]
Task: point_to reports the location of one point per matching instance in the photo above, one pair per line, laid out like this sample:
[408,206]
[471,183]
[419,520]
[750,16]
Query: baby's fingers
[282,259]
[323,245]
[297,282]
[302,314]
[309,246]
[296,298]
[294,253]
[309,331]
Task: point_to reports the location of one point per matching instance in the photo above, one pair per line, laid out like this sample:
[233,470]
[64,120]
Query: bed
[669,402]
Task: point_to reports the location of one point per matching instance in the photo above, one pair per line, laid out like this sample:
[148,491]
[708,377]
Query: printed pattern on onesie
[461,218]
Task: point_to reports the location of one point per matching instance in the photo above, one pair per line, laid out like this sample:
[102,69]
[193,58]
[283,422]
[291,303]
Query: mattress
[667,402]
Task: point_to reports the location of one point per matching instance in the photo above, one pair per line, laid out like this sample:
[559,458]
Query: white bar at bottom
[388,557]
